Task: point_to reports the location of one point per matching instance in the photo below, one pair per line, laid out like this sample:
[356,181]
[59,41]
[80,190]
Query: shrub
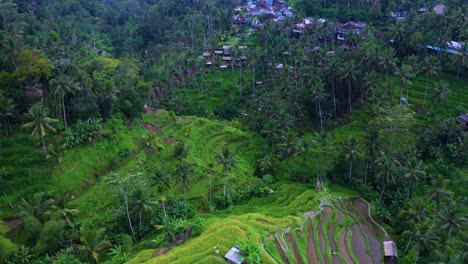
[7,248]
[250,250]
[66,258]
[32,227]
[51,236]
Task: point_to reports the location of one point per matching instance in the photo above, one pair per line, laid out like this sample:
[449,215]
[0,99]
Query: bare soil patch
[280,251]
[149,127]
[13,225]
[291,241]
[360,214]
[169,141]
[311,254]
[358,242]
[159,111]
[343,248]
[363,208]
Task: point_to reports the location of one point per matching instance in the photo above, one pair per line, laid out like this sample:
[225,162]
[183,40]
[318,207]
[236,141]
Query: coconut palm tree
[431,68]
[414,170]
[318,96]
[163,182]
[423,234]
[405,74]
[386,166]
[387,60]
[225,159]
[40,123]
[371,82]
[352,152]
[181,152]
[451,218]
[93,242]
[37,205]
[6,112]
[183,172]
[438,190]
[143,202]
[348,74]
[441,91]
[331,70]
[61,204]
[61,87]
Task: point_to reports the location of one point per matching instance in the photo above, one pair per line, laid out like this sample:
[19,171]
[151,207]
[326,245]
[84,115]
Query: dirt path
[358,242]
[343,248]
[374,244]
[323,220]
[311,254]
[280,251]
[291,241]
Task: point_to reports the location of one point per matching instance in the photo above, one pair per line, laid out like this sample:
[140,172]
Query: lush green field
[269,220]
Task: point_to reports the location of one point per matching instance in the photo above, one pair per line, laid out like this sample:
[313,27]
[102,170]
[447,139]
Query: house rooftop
[234,255]
[464,118]
[390,249]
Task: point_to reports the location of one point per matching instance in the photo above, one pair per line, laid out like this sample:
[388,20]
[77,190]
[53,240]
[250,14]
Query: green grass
[80,167]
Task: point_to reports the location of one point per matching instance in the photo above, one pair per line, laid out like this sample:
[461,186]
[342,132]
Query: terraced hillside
[294,225]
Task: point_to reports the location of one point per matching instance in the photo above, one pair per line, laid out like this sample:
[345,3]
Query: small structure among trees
[235,256]
[463,119]
[390,252]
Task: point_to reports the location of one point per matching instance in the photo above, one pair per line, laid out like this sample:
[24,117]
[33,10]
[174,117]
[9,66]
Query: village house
[350,27]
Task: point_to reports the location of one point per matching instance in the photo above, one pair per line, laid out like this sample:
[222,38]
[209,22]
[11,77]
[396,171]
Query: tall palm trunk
[128,217]
[64,114]
[349,97]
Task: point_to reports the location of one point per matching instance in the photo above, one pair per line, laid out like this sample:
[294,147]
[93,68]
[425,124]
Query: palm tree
[414,170]
[405,74]
[440,92]
[386,165]
[372,146]
[423,234]
[41,122]
[318,96]
[226,159]
[61,87]
[331,71]
[209,173]
[438,190]
[61,205]
[431,68]
[180,151]
[352,152]
[143,203]
[93,242]
[451,218]
[37,205]
[163,184]
[371,82]
[183,173]
[348,74]
[418,210]
[6,112]
[387,60]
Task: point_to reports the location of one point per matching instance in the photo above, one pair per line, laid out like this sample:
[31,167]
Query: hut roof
[390,249]
[234,255]
[464,118]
